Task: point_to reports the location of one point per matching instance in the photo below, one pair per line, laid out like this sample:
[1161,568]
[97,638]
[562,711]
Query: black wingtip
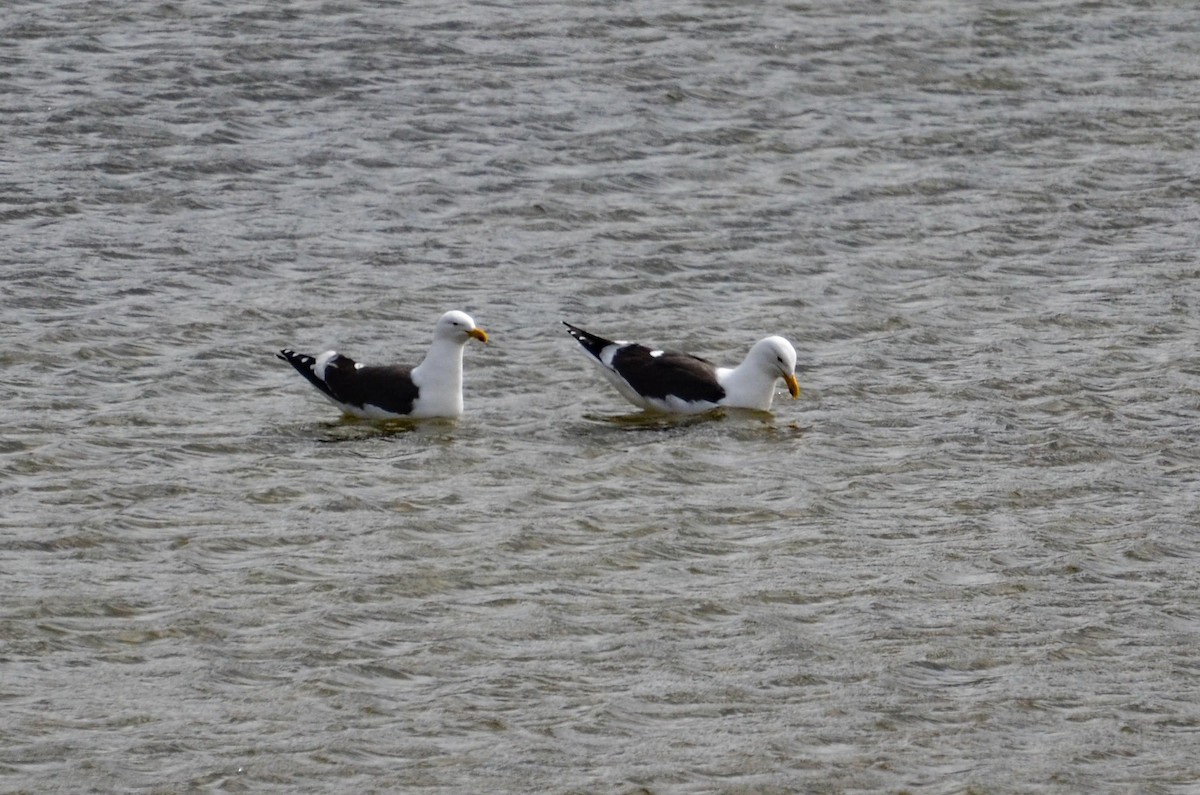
[575,330]
[590,342]
[577,334]
[298,360]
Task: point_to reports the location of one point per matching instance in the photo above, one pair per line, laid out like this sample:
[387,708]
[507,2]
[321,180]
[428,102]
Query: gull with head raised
[431,389]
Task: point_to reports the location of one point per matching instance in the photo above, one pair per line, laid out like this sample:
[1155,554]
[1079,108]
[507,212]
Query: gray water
[964,561]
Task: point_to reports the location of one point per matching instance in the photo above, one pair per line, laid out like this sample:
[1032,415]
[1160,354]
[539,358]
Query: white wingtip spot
[607,353]
[322,362]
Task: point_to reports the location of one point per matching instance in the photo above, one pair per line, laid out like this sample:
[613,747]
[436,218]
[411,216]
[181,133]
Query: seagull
[680,383]
[431,389]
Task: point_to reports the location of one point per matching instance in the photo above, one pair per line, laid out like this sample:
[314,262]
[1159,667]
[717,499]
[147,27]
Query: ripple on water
[962,557]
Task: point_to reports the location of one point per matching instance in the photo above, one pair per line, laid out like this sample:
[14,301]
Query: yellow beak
[478,334]
[793,387]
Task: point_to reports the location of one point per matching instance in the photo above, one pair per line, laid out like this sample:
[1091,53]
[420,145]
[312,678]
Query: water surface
[964,560]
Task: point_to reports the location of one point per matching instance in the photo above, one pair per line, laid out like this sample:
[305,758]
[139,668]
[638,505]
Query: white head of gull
[751,385]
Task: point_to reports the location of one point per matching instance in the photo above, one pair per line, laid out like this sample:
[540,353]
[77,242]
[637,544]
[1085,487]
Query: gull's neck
[442,362]
[749,385]
[439,377]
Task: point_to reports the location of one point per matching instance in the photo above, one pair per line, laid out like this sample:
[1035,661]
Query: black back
[389,387]
[671,373]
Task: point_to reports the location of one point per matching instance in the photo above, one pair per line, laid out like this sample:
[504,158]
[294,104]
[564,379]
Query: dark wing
[670,373]
[391,388]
